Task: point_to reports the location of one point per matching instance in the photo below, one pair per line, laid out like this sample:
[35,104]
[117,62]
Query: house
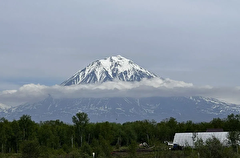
[188,139]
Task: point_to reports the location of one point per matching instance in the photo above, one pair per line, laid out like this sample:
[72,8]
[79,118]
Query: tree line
[21,136]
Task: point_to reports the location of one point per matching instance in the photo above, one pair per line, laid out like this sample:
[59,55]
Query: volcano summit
[109,69]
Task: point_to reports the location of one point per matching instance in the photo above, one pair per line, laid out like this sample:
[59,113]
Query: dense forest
[54,138]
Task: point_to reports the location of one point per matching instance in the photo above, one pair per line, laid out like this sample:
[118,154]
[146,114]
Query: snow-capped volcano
[109,69]
[121,108]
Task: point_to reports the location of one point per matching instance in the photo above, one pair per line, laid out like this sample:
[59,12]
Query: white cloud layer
[145,88]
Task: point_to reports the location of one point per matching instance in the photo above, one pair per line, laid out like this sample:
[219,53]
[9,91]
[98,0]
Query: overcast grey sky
[46,41]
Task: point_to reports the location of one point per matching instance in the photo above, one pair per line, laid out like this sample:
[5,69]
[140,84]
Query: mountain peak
[109,69]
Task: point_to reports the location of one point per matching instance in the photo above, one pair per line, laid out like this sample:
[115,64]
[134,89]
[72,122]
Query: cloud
[145,88]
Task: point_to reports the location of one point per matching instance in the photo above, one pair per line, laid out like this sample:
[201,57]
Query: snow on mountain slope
[4,108]
[123,109]
[109,69]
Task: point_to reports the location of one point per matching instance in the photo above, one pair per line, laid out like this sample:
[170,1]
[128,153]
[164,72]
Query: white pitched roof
[188,139]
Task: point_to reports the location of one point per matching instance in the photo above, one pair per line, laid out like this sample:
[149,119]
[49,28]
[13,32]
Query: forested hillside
[51,138]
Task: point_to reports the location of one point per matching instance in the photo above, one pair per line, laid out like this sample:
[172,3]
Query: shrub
[30,149]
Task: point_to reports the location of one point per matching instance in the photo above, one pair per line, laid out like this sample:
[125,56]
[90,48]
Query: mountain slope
[109,69]
[4,108]
[125,109]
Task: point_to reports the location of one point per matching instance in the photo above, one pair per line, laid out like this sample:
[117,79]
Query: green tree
[17,136]
[215,148]
[167,128]
[3,134]
[80,122]
[212,148]
[6,135]
[232,123]
[106,147]
[234,137]
[27,127]
[46,135]
[129,134]
[201,148]
[217,123]
[105,129]
[86,150]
